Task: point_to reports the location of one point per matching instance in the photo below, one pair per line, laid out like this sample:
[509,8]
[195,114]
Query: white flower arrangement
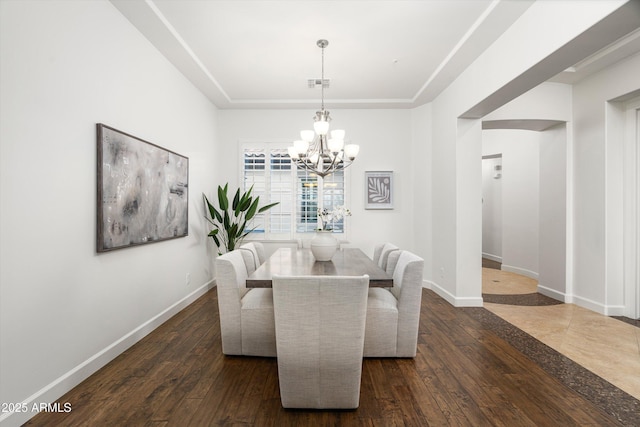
[327,217]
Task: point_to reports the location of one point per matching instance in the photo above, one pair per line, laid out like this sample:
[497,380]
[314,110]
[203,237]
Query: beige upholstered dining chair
[381,254]
[392,261]
[253,254]
[320,324]
[393,314]
[246,315]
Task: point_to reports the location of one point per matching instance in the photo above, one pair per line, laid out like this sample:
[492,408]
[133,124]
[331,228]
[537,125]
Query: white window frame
[293,235]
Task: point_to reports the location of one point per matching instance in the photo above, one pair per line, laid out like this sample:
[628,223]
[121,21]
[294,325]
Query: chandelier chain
[322,80]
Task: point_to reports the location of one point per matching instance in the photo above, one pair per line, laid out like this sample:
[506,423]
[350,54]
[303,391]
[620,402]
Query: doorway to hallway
[524,223]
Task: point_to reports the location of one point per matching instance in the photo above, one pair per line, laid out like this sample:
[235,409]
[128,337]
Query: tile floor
[605,346]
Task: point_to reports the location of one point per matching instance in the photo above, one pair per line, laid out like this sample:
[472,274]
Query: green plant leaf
[212,210]
[222,198]
[241,203]
[226,222]
[236,200]
[264,208]
[233,231]
[247,232]
[244,205]
[253,208]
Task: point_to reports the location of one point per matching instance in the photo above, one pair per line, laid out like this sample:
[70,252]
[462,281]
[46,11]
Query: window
[300,193]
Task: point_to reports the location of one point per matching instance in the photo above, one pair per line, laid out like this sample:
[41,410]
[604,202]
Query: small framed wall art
[143,191]
[379,189]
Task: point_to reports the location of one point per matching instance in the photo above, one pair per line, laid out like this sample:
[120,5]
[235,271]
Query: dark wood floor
[464,375]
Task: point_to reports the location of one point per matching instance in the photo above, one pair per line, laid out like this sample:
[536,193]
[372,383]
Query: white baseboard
[606,310]
[552,293]
[614,310]
[520,271]
[453,300]
[492,257]
[53,391]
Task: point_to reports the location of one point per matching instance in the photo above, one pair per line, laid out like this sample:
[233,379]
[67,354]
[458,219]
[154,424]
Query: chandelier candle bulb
[301,147]
[351,151]
[293,153]
[321,127]
[335,145]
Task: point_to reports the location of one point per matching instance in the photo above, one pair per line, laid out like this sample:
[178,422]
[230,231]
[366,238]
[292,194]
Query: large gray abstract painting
[143,191]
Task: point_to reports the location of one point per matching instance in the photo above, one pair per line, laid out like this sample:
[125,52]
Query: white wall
[520,196]
[492,208]
[552,253]
[547,101]
[385,139]
[423,186]
[66,310]
[598,205]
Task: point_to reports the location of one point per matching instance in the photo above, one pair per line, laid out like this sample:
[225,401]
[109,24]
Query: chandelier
[315,151]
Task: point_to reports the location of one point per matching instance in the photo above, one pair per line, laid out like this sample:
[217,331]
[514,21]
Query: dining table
[300,262]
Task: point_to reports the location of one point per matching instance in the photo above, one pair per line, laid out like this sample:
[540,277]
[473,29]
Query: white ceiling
[381,54]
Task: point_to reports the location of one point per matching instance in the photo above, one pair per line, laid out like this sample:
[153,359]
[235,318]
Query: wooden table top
[300,262]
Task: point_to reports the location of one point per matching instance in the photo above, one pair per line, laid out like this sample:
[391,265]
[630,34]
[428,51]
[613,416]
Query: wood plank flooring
[463,375]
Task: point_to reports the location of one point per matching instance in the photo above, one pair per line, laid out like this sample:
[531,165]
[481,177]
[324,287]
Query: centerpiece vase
[324,245]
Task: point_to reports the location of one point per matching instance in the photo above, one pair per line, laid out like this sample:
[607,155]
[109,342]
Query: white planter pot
[324,245]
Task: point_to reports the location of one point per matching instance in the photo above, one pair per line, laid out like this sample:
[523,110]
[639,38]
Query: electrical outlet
[441,271]
[188,279]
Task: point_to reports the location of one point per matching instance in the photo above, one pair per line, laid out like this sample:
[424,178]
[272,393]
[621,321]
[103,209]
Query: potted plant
[232,217]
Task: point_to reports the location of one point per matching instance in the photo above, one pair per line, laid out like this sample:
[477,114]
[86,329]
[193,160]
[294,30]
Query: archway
[534,196]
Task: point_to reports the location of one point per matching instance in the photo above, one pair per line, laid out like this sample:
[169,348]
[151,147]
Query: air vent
[313,83]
